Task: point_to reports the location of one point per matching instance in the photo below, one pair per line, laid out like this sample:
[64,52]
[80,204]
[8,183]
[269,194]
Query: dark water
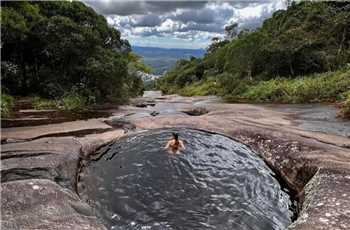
[216,183]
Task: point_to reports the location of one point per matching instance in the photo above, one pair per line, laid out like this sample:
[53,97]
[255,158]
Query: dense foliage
[61,50]
[345,107]
[6,105]
[307,38]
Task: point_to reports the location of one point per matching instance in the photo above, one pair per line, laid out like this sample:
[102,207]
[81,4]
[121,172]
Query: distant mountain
[163,59]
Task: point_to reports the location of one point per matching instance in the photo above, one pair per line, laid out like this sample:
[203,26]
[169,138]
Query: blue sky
[181,24]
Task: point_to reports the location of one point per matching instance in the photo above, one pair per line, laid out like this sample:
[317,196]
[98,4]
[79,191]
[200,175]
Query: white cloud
[175,23]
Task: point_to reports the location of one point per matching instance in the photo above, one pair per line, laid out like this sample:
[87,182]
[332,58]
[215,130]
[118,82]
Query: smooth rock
[42,204]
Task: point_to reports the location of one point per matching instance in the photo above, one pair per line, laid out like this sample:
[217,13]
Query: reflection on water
[215,183]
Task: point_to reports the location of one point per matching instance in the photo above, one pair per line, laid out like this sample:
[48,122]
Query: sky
[181,24]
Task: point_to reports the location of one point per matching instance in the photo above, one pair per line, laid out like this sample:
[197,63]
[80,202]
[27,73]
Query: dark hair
[176,136]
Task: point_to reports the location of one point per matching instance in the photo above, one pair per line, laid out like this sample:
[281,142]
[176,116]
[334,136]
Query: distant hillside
[299,55]
[162,59]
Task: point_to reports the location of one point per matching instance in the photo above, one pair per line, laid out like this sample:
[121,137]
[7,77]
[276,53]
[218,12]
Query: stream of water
[215,183]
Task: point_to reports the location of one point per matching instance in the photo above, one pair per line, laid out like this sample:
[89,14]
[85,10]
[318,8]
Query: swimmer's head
[176,136]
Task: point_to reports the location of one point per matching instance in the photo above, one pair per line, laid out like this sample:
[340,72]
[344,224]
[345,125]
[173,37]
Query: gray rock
[154,113]
[52,158]
[197,111]
[42,204]
[120,123]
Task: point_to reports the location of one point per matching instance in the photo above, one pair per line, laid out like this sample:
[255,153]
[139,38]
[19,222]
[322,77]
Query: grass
[316,88]
[7,103]
[326,87]
[201,88]
[68,102]
[42,103]
[73,102]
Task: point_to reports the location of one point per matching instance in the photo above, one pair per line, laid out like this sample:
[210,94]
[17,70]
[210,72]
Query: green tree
[52,48]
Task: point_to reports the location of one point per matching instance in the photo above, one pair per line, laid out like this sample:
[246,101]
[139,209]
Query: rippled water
[216,183]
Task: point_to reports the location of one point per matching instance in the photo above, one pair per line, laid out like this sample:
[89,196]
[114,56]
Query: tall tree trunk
[340,49]
[291,70]
[250,73]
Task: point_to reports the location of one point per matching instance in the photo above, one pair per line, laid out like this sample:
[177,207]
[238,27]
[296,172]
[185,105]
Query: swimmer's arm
[167,145]
[182,145]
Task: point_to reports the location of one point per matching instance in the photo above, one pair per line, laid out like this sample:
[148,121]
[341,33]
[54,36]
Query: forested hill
[54,49]
[163,59]
[277,62]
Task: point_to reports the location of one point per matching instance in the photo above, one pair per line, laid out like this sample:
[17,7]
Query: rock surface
[44,161]
[42,204]
[81,127]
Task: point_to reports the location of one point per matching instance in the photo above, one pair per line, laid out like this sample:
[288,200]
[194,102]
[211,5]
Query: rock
[197,111]
[81,127]
[42,204]
[46,158]
[91,143]
[326,202]
[141,105]
[315,165]
[299,157]
[120,123]
[154,113]
[143,102]
[33,117]
[54,158]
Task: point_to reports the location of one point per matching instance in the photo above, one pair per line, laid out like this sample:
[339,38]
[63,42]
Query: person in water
[175,144]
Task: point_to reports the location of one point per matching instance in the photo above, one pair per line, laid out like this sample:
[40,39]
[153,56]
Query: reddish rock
[315,165]
[42,204]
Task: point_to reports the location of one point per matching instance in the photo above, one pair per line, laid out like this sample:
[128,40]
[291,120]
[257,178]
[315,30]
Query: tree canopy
[307,38]
[50,48]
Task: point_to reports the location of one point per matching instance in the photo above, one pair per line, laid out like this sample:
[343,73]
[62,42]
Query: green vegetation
[52,48]
[326,87]
[137,63]
[73,101]
[345,108]
[299,55]
[201,88]
[42,103]
[6,105]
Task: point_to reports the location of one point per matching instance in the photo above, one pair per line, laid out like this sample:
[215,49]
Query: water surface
[215,183]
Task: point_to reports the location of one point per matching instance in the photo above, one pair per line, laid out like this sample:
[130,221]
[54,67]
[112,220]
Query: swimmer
[175,144]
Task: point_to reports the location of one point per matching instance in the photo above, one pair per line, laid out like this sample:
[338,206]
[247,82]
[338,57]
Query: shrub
[202,88]
[325,87]
[42,103]
[73,102]
[344,112]
[232,87]
[6,105]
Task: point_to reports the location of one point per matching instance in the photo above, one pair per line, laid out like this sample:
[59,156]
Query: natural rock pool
[215,183]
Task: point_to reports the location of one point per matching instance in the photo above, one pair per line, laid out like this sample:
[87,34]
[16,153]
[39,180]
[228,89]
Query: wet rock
[47,158]
[296,155]
[141,105]
[197,111]
[120,123]
[326,202]
[91,143]
[154,113]
[33,117]
[42,204]
[79,128]
[143,102]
